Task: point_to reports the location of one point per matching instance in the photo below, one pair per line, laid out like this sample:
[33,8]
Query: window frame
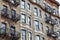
[35,11]
[23,18]
[29,21]
[36,26]
[38,36]
[30,37]
[3,27]
[12,30]
[23,35]
[22,4]
[28,6]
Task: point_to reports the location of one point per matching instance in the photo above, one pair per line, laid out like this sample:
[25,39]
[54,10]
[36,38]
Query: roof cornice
[54,1]
[43,8]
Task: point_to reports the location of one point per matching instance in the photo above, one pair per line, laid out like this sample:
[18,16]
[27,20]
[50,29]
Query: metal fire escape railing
[9,15]
[50,20]
[52,33]
[13,2]
[7,33]
[13,16]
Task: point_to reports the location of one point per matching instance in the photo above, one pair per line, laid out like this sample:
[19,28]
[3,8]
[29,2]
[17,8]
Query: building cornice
[54,1]
[43,8]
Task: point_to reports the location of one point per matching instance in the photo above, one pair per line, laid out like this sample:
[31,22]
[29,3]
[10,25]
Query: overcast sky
[59,7]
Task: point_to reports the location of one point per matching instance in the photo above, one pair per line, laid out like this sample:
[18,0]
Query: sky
[59,7]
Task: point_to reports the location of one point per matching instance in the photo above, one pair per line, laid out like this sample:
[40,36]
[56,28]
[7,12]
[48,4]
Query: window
[29,36]
[13,1]
[12,30]
[13,13]
[57,11]
[44,5]
[23,35]
[41,26]
[29,21]
[37,37]
[22,4]
[54,11]
[39,1]
[35,0]
[45,15]
[28,6]
[23,18]
[56,22]
[40,14]
[58,33]
[4,9]
[49,8]
[35,11]
[3,27]
[47,28]
[36,25]
[59,22]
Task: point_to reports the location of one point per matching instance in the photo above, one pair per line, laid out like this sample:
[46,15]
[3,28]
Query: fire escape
[52,22]
[12,16]
[51,33]
[9,33]
[13,2]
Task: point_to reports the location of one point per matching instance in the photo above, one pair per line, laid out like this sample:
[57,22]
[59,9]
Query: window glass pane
[13,12]
[58,33]
[35,12]
[37,37]
[54,11]
[38,1]
[23,18]
[41,26]
[23,4]
[36,25]
[3,28]
[35,0]
[4,9]
[3,25]
[28,6]
[12,30]
[59,22]
[23,35]
[29,36]
[47,28]
[40,13]
[29,21]
[12,1]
